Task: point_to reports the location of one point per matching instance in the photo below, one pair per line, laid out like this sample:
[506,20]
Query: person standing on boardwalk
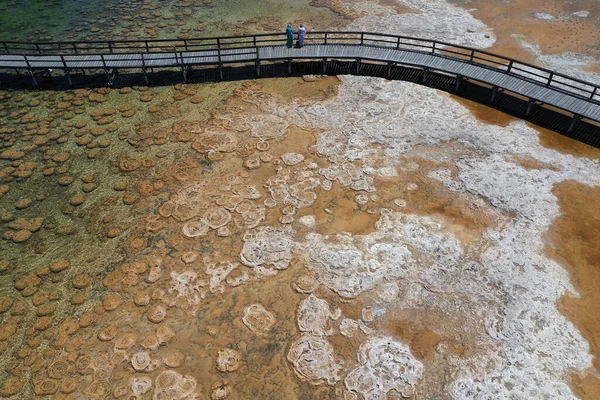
[290,36]
[301,34]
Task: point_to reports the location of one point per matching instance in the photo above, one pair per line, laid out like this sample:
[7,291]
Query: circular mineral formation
[164,334]
[220,390]
[11,386]
[142,299]
[111,301]
[257,319]
[384,365]
[195,228]
[21,236]
[305,284]
[59,369]
[292,158]
[81,281]
[108,333]
[141,385]
[173,358]
[167,380]
[189,257]
[157,313]
[140,360]
[228,360]
[313,360]
[125,340]
[97,390]
[59,265]
[45,387]
[217,217]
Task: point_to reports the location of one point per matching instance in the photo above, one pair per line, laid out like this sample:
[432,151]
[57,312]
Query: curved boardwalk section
[538,86]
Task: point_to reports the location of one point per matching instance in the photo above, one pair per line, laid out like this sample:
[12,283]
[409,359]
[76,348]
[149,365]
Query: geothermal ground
[301,238]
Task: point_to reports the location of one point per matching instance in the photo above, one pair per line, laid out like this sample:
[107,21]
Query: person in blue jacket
[290,36]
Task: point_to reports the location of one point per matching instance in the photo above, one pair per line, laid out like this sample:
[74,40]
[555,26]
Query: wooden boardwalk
[541,86]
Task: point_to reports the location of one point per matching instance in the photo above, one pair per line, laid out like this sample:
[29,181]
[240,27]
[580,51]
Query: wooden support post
[459,80]
[389,70]
[357,66]
[183,68]
[106,70]
[33,78]
[573,124]
[66,69]
[289,66]
[530,104]
[324,65]
[257,62]
[424,76]
[30,71]
[219,56]
[494,92]
[144,69]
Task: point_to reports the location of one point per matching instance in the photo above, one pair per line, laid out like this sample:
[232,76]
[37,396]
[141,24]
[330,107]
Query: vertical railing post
[5,47]
[74,47]
[398,43]
[254,40]
[433,48]
[550,79]
[185,44]
[472,55]
[510,64]
[257,61]
[147,48]
[362,38]
[110,49]
[37,46]
[594,92]
[325,38]
[219,57]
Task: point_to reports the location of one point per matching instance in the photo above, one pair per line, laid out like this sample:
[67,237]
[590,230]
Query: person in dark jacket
[290,36]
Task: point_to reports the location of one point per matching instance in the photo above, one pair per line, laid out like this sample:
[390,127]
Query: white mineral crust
[384,364]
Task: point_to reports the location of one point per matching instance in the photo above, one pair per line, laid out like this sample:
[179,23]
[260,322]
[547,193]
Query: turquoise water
[118,19]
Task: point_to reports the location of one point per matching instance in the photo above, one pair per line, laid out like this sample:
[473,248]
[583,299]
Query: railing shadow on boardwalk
[508,103]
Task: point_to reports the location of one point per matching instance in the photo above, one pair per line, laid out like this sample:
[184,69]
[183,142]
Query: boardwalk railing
[423,53]
[174,48]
